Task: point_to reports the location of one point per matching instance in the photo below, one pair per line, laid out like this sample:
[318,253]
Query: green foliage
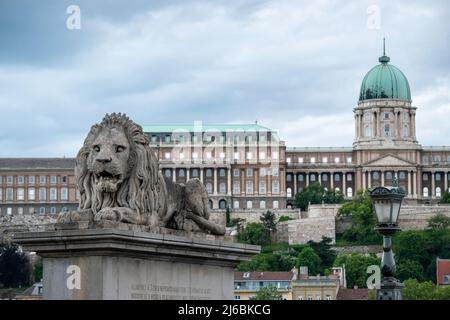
[316,194]
[284,218]
[253,233]
[323,250]
[372,295]
[267,293]
[38,270]
[445,197]
[409,269]
[310,259]
[268,262]
[15,267]
[269,223]
[439,222]
[356,267]
[415,290]
[228,217]
[363,220]
[410,245]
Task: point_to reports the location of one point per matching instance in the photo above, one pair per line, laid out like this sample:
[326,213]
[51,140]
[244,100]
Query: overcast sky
[295,66]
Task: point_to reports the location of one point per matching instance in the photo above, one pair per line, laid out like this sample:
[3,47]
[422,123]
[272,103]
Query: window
[446,279]
[425,192]
[249,156]
[194,173]
[42,179]
[349,192]
[324,177]
[237,297]
[52,194]
[402,175]
[289,177]
[318,297]
[437,176]
[438,192]
[386,115]
[209,188]
[387,130]
[42,210]
[300,160]
[367,130]
[405,117]
[312,160]
[310,297]
[222,155]
[300,298]
[9,194]
[289,192]
[275,204]
[275,155]
[328,297]
[337,160]
[249,172]
[236,187]
[337,177]
[312,177]
[167,138]
[425,177]
[236,172]
[181,156]
[181,173]
[301,177]
[20,179]
[222,172]
[349,159]
[222,187]
[388,175]
[9,211]
[288,160]
[236,205]
[154,138]
[64,179]
[249,188]
[20,194]
[262,172]
[53,179]
[236,156]
[262,155]
[168,173]
[195,155]
[262,204]
[405,131]
[31,210]
[209,172]
[275,187]
[9,180]
[64,195]
[53,210]
[275,172]
[194,139]
[208,155]
[262,187]
[325,160]
[167,155]
[249,204]
[349,177]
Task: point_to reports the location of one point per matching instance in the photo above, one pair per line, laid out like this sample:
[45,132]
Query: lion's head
[117,167]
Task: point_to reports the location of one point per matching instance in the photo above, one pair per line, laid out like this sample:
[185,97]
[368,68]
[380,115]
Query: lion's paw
[108,214]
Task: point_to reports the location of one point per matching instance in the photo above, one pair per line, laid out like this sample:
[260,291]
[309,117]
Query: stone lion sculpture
[118,178]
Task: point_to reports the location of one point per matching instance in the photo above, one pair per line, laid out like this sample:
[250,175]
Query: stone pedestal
[125,264]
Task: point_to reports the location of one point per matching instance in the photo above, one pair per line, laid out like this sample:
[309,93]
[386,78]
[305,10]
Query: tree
[268,262]
[15,267]
[253,233]
[267,293]
[409,269]
[410,245]
[439,222]
[309,259]
[228,217]
[38,270]
[316,194]
[445,197]
[356,267]
[363,220]
[269,223]
[324,251]
[415,290]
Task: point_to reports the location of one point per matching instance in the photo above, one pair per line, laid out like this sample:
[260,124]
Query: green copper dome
[385,81]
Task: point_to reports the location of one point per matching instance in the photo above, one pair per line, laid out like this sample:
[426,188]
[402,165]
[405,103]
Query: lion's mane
[141,188]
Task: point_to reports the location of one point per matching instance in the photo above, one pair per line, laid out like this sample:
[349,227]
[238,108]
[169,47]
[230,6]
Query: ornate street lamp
[387,202]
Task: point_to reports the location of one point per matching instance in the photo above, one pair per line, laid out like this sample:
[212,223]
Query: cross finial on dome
[384,58]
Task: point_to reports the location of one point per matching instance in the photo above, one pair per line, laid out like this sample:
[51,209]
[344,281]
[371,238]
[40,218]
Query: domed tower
[384,117]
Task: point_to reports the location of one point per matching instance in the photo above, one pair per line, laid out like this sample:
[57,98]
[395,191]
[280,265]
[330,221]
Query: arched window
[222,187]
[425,192]
[437,176]
[301,177]
[275,204]
[388,175]
[289,177]
[181,173]
[349,192]
[313,177]
[438,192]
[249,205]
[168,173]
[209,188]
[324,177]
[337,177]
[222,204]
[337,190]
[222,172]
[289,192]
[208,172]
[194,173]
[262,204]
[376,175]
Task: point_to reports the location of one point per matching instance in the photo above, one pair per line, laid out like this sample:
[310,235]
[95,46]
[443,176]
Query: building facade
[247,284]
[37,186]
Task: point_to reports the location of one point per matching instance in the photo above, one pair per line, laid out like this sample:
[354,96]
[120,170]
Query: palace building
[248,167]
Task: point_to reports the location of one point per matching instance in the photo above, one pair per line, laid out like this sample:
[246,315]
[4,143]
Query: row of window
[314,160]
[437,176]
[209,156]
[313,177]
[262,204]
[438,192]
[32,196]
[20,180]
[222,172]
[262,187]
[32,210]
[349,193]
[181,138]
[387,130]
[436,158]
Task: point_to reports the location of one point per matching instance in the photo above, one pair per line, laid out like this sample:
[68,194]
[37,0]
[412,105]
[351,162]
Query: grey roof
[37,163]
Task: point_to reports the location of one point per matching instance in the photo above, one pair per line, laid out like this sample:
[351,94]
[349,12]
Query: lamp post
[387,202]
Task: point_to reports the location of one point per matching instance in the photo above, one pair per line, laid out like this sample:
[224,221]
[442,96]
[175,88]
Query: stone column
[229,181]
[446,181]
[215,181]
[369,178]
[319,176]
[382,178]
[413,124]
[188,174]
[332,180]
[294,176]
[364,180]
[344,187]
[174,175]
[307,179]
[379,123]
[201,174]
[415,184]
[433,185]
[396,124]
[409,183]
